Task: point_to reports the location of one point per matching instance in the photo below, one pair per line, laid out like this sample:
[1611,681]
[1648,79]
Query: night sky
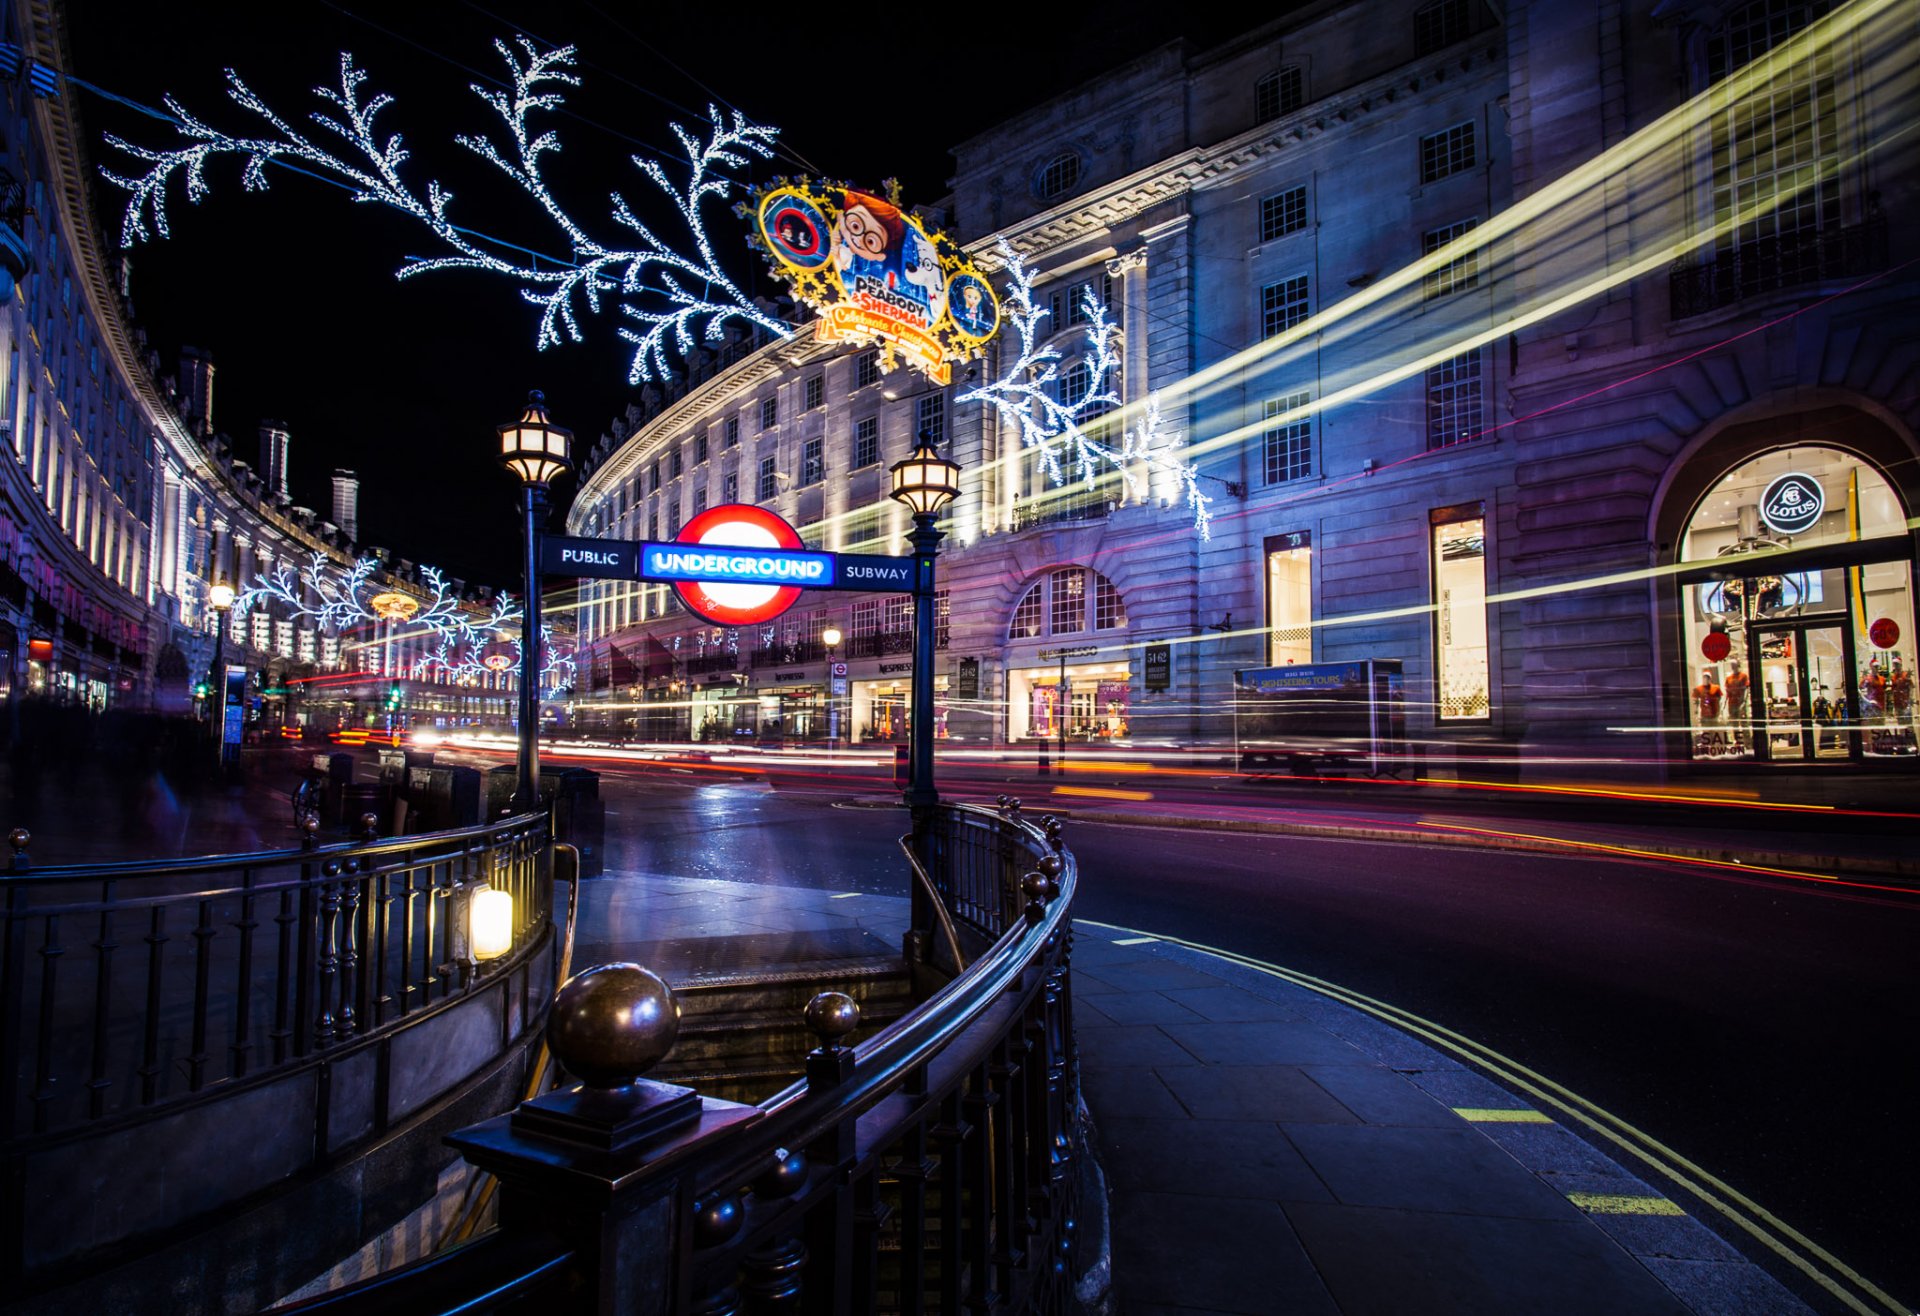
[293,291]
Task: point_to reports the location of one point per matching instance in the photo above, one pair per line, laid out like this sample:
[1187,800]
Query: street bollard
[1043,768]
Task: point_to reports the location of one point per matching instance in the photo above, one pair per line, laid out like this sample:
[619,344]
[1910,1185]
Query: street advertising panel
[1311,717]
[875,274]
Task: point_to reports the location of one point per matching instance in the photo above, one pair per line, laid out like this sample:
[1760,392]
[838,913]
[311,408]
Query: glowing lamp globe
[830,637]
[925,481]
[490,923]
[534,449]
[220,595]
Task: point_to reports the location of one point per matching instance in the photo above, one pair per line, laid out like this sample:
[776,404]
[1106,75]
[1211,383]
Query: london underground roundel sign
[739,525]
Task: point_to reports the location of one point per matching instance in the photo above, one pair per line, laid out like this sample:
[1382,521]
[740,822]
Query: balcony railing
[789,655]
[1767,265]
[1079,505]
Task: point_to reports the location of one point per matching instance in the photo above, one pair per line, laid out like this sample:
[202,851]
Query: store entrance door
[1803,699]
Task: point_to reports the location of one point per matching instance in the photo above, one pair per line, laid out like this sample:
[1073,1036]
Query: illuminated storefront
[878,708]
[1798,627]
[1094,702]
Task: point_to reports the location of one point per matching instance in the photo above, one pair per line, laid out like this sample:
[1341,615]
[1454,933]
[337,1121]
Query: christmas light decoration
[671,296]
[1029,393]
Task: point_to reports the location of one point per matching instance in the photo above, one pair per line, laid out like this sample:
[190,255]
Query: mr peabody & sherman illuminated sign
[733,565]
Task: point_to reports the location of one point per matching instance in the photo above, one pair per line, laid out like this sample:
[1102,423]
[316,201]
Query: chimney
[273,455]
[346,503]
[196,387]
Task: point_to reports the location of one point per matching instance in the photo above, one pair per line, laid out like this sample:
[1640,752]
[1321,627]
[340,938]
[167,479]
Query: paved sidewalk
[1272,1150]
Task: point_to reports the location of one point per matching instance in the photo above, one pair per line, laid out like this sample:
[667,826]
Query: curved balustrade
[928,1170]
[224,1023]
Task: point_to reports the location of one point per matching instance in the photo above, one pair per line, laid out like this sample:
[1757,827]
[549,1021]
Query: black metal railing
[874,644]
[705,664]
[124,987]
[931,1169]
[1076,504]
[1766,265]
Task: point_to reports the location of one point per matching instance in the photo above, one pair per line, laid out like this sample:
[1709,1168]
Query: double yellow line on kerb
[1858,1293]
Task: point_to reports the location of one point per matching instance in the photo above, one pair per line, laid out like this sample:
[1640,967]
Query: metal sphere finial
[612,1023]
[19,838]
[831,1016]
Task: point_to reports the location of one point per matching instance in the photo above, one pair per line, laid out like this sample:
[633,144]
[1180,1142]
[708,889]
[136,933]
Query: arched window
[1068,601]
[1058,176]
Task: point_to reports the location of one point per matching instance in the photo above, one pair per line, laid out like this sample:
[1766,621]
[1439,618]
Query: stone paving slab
[1269,1149]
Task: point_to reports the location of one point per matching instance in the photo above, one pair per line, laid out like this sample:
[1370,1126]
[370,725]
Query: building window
[699,501]
[769,412]
[677,464]
[1287,445]
[653,476]
[866,441]
[1775,154]
[930,418]
[866,617]
[730,487]
[816,390]
[866,369]
[1068,612]
[1027,616]
[1282,305]
[1109,613]
[1438,25]
[769,480]
[733,431]
[1453,400]
[813,466]
[653,523]
[864,526]
[1460,617]
[1456,275]
[700,445]
[1446,152]
[1058,176]
[1283,213]
[1075,383]
[1280,92]
[1290,599]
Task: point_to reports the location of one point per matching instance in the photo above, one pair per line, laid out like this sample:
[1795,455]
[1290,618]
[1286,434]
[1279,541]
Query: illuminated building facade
[122,505]
[1494,338]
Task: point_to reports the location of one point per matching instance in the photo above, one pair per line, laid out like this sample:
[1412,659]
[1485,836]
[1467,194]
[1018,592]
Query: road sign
[840,669]
[603,559]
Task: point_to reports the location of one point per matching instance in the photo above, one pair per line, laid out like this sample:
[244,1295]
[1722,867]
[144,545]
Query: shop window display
[1807,660]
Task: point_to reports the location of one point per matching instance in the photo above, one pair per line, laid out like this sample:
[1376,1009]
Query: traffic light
[394,696]
[202,689]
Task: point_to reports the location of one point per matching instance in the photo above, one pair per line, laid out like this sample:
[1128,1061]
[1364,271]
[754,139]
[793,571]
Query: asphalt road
[1761,1029]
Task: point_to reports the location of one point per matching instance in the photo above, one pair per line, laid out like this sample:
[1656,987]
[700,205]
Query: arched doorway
[1797,621]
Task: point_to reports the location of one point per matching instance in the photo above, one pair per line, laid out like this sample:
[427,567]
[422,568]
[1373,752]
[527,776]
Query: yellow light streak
[1102,793]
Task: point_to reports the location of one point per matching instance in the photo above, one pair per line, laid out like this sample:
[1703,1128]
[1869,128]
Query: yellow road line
[1623,1204]
[1602,847]
[1602,1123]
[1496,1115]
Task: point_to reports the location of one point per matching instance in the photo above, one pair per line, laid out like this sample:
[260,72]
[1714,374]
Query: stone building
[123,503]
[1493,335]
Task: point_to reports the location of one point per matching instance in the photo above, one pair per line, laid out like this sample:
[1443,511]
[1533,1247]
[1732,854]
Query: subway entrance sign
[733,565]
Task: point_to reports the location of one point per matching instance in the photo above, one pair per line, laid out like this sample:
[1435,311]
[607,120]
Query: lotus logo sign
[1792,503]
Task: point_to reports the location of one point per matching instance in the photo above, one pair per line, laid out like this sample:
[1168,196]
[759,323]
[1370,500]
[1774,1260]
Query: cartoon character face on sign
[867,241]
[925,280]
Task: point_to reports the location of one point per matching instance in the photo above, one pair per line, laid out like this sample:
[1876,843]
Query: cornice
[1196,168]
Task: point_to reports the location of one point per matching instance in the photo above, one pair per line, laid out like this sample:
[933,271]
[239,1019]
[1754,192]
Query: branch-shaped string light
[1029,393]
[671,297]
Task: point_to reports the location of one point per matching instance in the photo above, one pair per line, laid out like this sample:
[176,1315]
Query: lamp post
[220,598]
[831,638]
[925,482]
[538,452]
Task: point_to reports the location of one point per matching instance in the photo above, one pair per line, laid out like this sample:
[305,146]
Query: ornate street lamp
[220,597]
[925,482]
[831,638]
[539,452]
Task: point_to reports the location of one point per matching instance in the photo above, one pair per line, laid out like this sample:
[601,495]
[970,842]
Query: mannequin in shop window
[1900,705]
[1738,683]
[1707,696]
[1873,691]
[1825,714]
